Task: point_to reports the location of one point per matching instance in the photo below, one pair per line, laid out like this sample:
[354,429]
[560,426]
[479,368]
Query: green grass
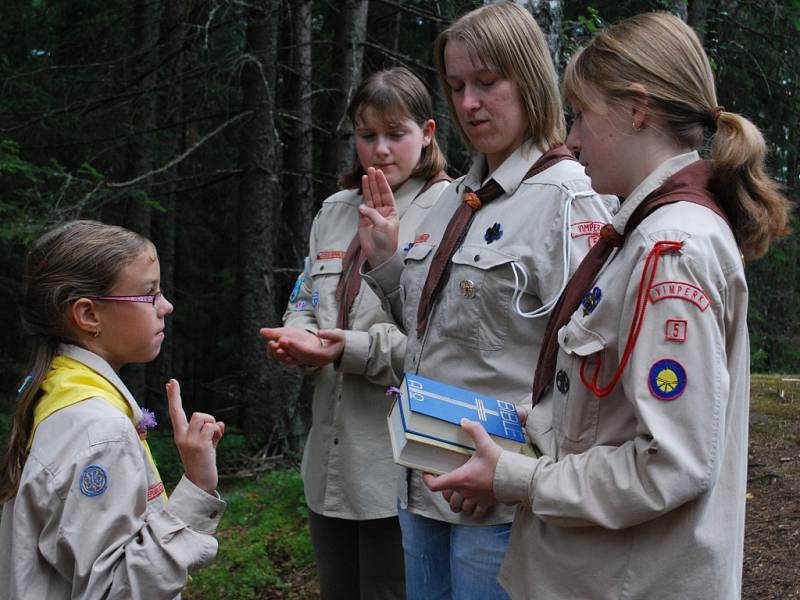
[263,538]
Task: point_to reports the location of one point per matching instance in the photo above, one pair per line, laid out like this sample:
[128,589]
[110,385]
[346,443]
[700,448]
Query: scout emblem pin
[590,300]
[467,288]
[315,299]
[493,233]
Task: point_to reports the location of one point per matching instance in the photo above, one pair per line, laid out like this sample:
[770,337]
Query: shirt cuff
[356,352]
[513,476]
[198,509]
[385,278]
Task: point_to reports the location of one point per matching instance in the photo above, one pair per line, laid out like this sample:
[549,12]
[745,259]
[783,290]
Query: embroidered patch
[423,237]
[587,229]
[94,480]
[667,379]
[676,330]
[493,233]
[590,300]
[408,246]
[154,491]
[299,305]
[315,299]
[329,254]
[680,290]
[296,288]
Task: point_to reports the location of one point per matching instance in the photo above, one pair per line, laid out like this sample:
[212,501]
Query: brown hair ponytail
[757,209]
[663,55]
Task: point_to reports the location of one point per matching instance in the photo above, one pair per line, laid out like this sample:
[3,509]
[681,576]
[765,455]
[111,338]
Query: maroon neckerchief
[458,227]
[690,184]
[350,280]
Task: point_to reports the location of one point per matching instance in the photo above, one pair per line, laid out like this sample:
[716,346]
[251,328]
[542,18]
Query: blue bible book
[425,430]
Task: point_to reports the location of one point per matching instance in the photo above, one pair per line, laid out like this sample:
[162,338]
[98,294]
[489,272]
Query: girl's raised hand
[196,440]
[378,223]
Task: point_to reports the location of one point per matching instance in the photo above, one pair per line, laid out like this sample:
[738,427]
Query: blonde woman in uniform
[489,262]
[641,394]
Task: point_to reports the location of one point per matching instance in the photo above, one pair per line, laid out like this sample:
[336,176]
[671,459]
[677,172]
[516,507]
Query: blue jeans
[445,560]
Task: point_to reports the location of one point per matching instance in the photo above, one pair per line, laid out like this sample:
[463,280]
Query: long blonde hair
[507,37]
[70,261]
[664,55]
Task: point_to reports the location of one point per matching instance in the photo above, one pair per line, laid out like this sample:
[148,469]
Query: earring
[637,126]
[96,333]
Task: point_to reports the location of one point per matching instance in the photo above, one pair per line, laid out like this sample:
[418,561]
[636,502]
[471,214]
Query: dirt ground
[772,532]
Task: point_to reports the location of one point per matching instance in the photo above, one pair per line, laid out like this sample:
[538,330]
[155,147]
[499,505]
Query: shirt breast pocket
[476,303]
[325,276]
[413,280]
[575,407]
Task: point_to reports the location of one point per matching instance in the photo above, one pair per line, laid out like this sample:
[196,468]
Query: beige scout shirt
[643,494]
[59,543]
[348,471]
[474,338]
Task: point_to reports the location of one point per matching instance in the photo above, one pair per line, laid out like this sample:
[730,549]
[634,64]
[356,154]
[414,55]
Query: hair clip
[24,384]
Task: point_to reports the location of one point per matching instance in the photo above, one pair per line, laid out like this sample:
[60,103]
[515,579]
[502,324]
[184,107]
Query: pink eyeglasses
[149,299]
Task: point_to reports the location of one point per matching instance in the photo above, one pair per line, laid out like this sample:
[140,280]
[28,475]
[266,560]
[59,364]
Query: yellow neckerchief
[69,382]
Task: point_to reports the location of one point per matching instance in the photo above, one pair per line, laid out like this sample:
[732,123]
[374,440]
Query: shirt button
[562,381]
[213,515]
[335,440]
[652,451]
[477,257]
[322,267]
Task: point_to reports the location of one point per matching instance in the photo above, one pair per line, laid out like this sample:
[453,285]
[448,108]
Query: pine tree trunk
[258,207]
[347,57]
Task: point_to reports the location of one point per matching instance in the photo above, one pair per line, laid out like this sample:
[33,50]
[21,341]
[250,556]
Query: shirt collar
[98,364]
[406,193]
[511,172]
[651,183]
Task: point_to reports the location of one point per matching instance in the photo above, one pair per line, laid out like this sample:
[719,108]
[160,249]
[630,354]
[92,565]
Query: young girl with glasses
[85,513]
[335,322]
[641,398]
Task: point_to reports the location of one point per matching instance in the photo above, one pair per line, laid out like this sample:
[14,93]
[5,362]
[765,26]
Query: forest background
[217,127]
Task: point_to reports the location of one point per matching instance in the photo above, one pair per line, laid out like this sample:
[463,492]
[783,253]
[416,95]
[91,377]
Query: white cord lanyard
[520,271]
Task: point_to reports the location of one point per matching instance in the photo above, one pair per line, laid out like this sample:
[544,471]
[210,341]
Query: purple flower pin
[393,391]
[148,421]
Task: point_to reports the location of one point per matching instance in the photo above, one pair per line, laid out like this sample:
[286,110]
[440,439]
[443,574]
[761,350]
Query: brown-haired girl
[490,262]
[641,394]
[85,513]
[336,323]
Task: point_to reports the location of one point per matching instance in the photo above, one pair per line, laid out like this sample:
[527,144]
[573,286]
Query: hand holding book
[473,481]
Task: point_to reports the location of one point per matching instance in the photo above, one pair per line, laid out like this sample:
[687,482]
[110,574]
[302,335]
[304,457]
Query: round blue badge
[667,379]
[94,480]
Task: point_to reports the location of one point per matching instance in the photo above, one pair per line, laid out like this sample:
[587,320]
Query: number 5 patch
[676,330]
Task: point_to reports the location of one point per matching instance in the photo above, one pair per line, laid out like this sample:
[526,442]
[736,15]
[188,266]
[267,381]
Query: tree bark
[347,61]
[698,17]
[548,15]
[258,207]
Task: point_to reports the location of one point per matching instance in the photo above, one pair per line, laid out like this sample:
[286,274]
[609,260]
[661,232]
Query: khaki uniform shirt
[347,468]
[57,542]
[474,339]
[643,492]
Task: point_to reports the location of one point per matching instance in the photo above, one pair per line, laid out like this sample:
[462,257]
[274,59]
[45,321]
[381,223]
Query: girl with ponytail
[641,392]
[85,514]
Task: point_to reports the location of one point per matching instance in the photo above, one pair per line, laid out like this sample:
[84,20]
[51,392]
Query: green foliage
[263,535]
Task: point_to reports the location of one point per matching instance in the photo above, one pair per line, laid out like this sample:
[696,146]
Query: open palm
[378,223]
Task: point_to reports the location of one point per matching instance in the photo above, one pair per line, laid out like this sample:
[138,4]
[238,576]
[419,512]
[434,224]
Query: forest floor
[772,526]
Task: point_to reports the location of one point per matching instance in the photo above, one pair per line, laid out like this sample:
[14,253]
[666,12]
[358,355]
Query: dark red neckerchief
[458,227]
[350,280]
[690,184]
